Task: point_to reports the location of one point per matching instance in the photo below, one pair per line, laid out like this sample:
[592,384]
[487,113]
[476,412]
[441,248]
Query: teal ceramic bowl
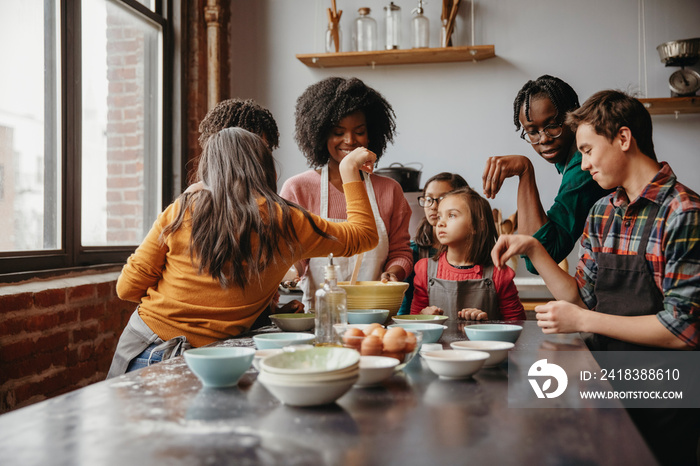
[431,332]
[493,332]
[367,316]
[219,366]
[282,339]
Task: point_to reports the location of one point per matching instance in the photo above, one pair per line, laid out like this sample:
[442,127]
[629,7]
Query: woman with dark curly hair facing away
[334,117]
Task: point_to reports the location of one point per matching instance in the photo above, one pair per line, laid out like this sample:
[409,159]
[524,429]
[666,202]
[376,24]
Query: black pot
[408,178]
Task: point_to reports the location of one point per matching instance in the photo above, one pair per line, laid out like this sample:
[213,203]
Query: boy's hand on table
[559,317]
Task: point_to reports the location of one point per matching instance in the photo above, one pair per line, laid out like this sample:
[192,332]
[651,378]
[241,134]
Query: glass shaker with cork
[331,308]
[364,33]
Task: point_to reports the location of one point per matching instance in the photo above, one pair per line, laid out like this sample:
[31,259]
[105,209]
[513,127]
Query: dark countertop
[162,415]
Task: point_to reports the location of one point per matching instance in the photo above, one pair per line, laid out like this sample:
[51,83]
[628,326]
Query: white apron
[372,262]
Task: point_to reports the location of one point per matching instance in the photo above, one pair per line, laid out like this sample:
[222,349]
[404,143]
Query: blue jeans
[142,360]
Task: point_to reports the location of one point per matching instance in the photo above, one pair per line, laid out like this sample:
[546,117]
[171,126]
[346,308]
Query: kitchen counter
[162,415]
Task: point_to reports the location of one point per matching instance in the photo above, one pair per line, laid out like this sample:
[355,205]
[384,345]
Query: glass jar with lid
[364,33]
[393,26]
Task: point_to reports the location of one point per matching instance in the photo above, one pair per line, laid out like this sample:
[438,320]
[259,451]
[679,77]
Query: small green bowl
[293,322]
[219,366]
[420,318]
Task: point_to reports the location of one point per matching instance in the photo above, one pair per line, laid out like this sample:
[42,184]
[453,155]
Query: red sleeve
[508,299]
[420,287]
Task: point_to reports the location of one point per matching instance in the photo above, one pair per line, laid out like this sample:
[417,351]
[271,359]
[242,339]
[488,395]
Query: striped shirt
[672,253]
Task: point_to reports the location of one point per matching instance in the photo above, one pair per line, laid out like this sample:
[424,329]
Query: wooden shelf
[398,57]
[672,105]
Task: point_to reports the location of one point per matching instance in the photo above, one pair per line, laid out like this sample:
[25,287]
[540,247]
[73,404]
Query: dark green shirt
[408,296]
[567,216]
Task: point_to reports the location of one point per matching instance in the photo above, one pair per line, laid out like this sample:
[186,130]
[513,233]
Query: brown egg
[371,327]
[380,332]
[353,338]
[410,342]
[395,340]
[371,346]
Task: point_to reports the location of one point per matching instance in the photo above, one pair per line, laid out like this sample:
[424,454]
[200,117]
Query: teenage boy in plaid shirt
[637,283]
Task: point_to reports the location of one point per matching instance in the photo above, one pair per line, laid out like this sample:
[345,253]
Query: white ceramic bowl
[263,353]
[293,322]
[498,350]
[315,360]
[493,332]
[281,339]
[455,364]
[307,394]
[219,366]
[375,369]
[426,347]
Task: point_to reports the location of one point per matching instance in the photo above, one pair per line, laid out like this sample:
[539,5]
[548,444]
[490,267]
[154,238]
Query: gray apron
[138,336]
[452,296]
[625,287]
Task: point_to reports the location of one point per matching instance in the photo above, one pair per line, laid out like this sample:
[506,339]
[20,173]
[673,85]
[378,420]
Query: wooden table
[162,415]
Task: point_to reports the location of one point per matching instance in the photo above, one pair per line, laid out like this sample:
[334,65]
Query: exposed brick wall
[56,340]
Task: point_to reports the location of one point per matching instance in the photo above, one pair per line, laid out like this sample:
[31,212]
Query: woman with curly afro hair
[334,117]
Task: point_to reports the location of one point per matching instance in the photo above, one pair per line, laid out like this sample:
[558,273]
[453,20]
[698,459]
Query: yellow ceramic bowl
[375,295]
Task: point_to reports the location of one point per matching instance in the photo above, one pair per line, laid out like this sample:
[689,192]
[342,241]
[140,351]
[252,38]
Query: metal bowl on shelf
[685,52]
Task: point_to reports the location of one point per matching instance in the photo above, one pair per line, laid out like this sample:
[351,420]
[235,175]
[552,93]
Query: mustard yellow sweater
[175,300]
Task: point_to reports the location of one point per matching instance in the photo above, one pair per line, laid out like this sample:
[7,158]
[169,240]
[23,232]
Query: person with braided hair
[334,117]
[540,109]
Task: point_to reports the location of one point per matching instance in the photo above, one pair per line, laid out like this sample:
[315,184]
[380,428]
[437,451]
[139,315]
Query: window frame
[21,265]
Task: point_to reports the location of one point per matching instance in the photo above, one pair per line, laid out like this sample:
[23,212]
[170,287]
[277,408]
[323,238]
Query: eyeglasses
[425,201]
[552,131]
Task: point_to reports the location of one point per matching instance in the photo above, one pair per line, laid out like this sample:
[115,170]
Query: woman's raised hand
[502,167]
[359,159]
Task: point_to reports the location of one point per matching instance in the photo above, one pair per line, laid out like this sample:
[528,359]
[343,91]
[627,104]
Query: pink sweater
[305,190]
[508,300]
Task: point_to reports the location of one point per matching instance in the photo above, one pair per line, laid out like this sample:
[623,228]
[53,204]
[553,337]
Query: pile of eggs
[376,340]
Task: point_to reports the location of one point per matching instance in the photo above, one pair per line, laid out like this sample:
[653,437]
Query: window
[81,130]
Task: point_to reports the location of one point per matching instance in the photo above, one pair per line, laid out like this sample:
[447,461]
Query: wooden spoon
[356,269]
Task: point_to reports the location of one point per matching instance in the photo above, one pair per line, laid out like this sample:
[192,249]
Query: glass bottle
[364,34]
[331,308]
[393,26]
[420,28]
[333,46]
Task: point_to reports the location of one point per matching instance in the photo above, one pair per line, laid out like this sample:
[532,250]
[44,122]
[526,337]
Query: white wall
[452,117]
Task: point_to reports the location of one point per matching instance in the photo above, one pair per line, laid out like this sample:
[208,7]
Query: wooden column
[212,16]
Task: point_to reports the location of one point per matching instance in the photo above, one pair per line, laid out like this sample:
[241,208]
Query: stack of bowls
[311,376]
[375,295]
